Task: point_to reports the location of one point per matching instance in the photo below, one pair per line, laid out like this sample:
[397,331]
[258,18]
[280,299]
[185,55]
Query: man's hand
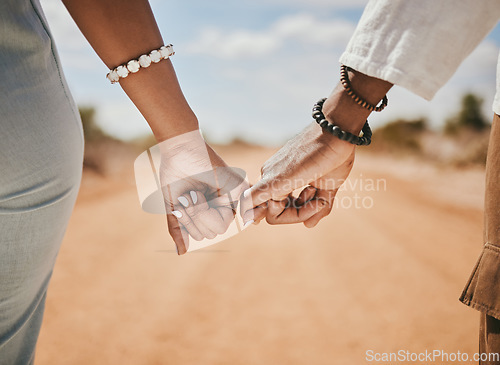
[314,159]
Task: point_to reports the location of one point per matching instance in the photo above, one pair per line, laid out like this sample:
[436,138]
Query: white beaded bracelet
[144,61]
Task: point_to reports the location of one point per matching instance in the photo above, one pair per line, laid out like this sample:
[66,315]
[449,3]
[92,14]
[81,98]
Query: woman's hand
[200,191]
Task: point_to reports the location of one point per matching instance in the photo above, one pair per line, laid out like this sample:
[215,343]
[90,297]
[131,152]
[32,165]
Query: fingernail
[246,193]
[248,223]
[194,196]
[177,213]
[183,201]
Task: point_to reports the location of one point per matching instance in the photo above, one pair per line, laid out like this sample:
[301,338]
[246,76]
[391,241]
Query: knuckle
[190,211]
[186,223]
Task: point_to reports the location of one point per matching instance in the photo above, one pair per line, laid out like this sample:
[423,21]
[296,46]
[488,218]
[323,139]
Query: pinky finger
[255,215]
[328,197]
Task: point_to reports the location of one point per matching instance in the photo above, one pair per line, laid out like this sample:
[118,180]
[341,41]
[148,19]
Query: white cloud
[479,63]
[329,4]
[239,43]
[303,28]
[308,29]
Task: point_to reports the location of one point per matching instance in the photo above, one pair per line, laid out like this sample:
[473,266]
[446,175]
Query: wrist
[173,125]
[340,108]
[189,141]
[156,93]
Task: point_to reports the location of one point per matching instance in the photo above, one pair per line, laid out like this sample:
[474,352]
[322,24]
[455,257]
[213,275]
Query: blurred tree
[91,131]
[96,141]
[400,134]
[470,116]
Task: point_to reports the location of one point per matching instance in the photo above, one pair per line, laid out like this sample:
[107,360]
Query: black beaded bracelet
[346,83]
[317,114]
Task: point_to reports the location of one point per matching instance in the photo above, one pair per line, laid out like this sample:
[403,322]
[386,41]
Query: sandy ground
[385,278]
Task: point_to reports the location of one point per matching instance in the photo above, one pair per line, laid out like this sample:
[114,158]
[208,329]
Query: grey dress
[41,151]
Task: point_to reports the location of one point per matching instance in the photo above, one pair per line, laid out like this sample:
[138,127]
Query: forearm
[123,30]
[343,111]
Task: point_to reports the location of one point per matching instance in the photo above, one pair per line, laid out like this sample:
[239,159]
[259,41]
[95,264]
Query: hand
[314,159]
[200,191]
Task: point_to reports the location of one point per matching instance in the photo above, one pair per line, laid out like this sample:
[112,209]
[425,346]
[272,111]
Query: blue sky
[253,69]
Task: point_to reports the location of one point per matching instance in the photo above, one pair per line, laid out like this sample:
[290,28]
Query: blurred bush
[402,136]
[103,154]
[470,130]
[463,141]
[470,117]
[144,142]
[91,131]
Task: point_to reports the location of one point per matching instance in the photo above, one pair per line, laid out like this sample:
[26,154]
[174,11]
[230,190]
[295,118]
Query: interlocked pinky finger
[306,195]
[327,197]
[255,215]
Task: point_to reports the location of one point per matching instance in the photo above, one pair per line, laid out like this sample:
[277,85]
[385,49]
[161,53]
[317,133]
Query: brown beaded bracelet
[319,117]
[344,79]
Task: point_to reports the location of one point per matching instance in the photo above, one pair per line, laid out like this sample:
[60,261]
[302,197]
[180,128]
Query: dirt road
[383,278]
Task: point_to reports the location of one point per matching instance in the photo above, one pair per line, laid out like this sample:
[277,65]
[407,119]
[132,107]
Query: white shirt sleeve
[418,44]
